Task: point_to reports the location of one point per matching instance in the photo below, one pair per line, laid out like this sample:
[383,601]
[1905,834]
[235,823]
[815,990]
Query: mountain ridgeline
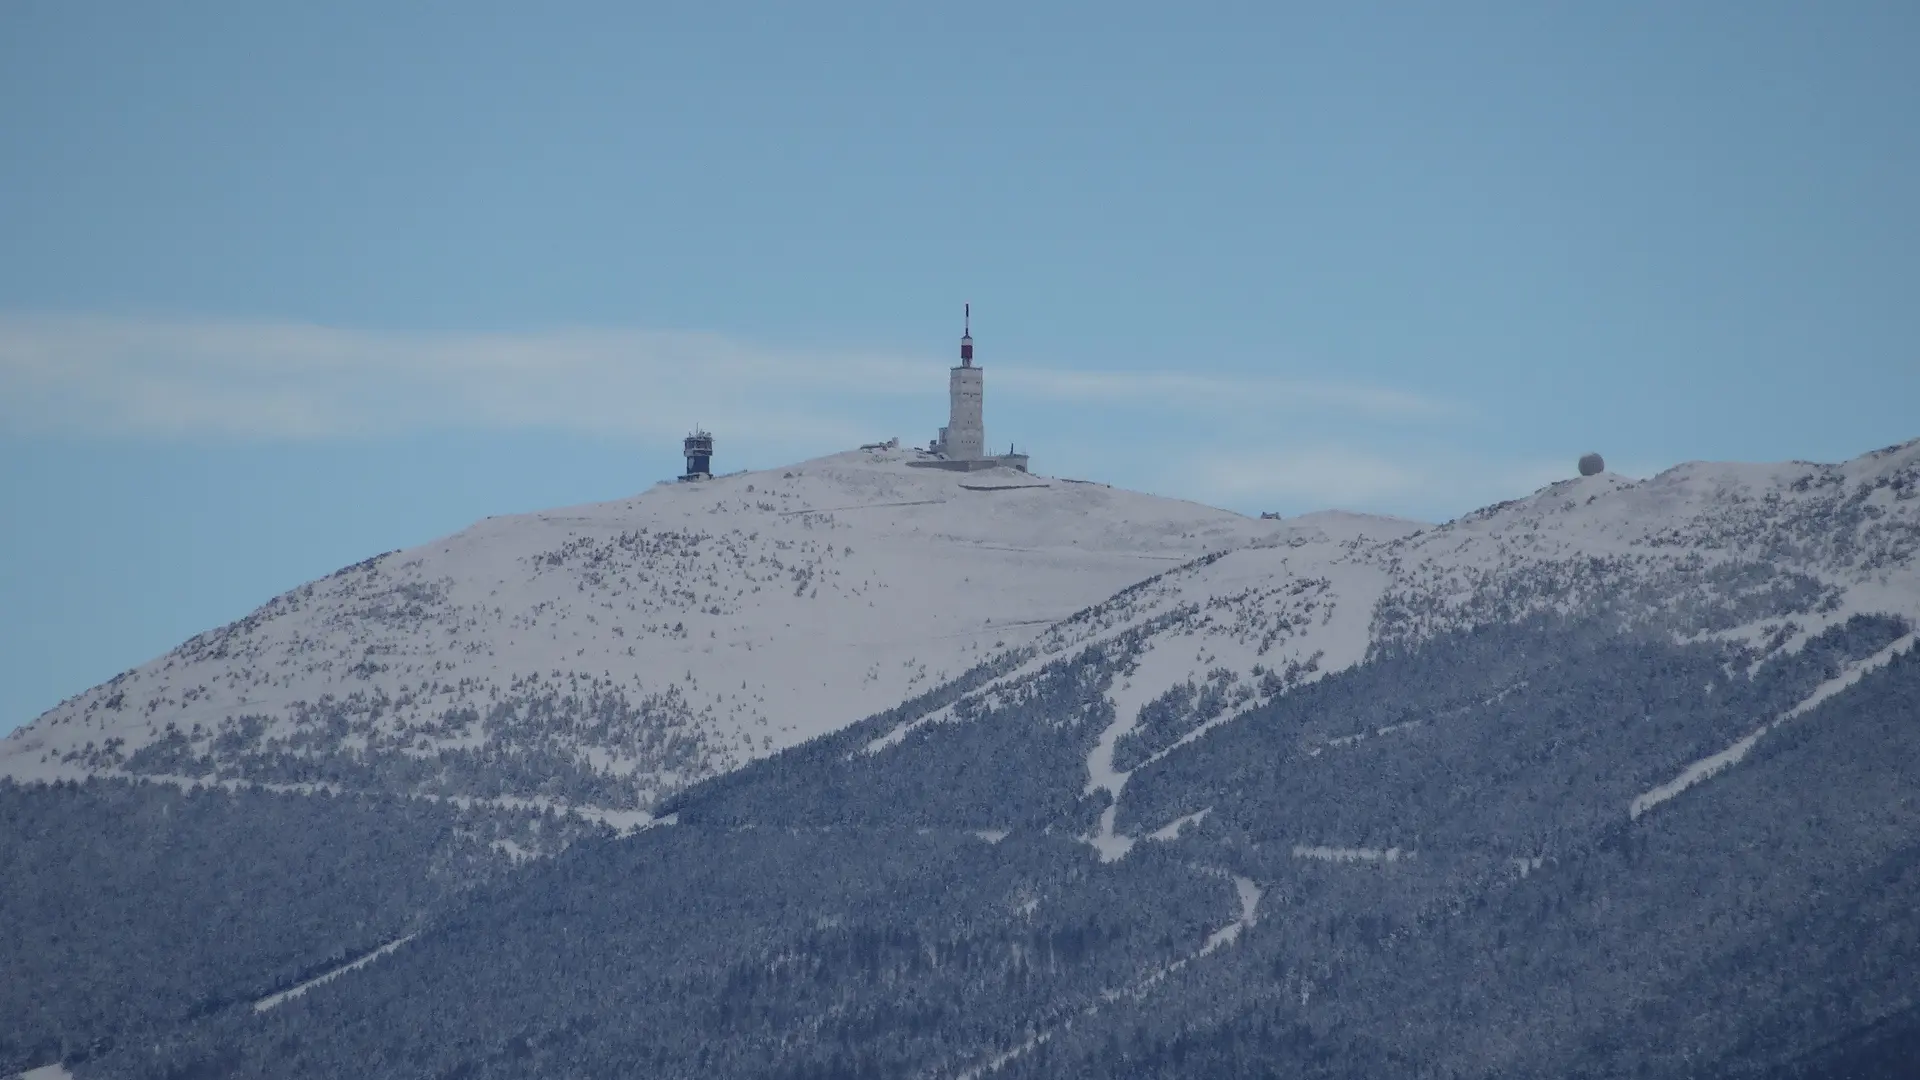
[1612,781]
[601,657]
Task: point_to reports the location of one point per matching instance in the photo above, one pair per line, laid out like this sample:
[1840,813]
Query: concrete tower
[966,436]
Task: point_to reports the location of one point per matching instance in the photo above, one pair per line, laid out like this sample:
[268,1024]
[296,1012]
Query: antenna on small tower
[966,337]
[698,447]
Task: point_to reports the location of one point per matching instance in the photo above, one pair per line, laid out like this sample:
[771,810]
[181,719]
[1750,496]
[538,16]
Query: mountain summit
[605,656]
[610,653]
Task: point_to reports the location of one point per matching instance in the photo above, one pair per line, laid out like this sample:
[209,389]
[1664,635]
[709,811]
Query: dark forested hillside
[1467,858]
[1738,930]
[130,908]
[839,953]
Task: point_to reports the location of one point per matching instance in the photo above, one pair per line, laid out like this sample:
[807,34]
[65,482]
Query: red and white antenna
[966,337]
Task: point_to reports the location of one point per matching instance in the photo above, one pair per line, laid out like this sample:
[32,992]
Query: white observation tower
[965,436]
[961,446]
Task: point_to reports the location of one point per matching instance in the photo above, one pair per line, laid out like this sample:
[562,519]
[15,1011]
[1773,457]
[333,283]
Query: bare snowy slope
[1765,557]
[610,653]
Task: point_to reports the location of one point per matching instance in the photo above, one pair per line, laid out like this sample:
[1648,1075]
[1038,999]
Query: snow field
[762,609]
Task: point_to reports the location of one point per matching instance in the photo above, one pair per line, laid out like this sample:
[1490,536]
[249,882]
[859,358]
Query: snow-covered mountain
[1613,781]
[608,653]
[1765,557]
[1608,781]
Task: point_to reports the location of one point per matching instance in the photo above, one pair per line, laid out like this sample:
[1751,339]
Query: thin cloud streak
[1181,388]
[266,380]
[269,380]
[1314,477]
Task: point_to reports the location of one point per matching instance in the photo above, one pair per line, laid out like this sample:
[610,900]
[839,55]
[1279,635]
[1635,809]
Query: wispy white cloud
[273,380]
[1413,481]
[157,377]
[1183,389]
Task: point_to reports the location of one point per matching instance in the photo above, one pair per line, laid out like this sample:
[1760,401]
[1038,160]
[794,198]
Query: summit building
[962,443]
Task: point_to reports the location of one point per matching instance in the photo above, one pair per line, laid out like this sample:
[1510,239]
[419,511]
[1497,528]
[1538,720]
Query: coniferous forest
[1462,893]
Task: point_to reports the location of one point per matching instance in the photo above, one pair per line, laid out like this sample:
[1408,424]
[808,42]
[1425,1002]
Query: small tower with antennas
[699,450]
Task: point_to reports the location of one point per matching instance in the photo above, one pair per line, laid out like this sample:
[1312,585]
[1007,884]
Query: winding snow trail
[1102,776]
[1154,670]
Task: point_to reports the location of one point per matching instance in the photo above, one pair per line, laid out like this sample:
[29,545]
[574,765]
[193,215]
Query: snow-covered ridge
[1762,556]
[610,653]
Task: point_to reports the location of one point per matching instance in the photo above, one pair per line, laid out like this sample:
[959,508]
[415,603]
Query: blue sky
[282,286]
